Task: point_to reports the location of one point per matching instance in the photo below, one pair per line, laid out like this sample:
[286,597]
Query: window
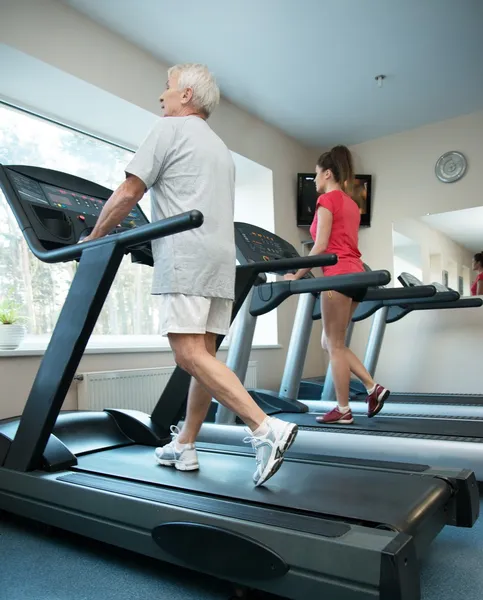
[129,309]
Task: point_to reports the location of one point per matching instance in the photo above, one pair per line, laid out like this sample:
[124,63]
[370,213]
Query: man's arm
[117,208]
[145,168]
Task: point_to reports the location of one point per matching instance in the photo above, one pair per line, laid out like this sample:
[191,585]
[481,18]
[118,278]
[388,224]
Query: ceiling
[308,66]
[465,227]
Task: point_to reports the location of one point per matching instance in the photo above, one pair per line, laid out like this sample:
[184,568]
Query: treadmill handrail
[365,310]
[288,264]
[400,293]
[270,295]
[376,298]
[439,297]
[341,282]
[139,235]
[397,312]
[461,303]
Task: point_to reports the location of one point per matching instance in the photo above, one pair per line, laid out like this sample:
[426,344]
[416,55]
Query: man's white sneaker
[275,438]
[181,456]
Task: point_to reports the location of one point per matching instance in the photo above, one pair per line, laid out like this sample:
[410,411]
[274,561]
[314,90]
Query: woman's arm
[479,287]
[324,227]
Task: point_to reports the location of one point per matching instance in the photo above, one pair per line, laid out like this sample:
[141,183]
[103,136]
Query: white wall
[56,34]
[404,186]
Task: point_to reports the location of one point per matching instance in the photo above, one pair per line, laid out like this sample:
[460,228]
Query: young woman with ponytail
[477,285]
[335,229]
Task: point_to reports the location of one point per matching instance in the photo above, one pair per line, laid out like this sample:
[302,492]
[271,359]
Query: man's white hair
[206,93]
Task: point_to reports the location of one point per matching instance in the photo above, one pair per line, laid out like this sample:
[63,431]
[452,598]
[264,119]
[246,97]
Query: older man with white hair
[187,166]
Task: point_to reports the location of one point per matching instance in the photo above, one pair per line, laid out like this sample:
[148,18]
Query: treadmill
[338,530]
[262,299]
[439,440]
[447,405]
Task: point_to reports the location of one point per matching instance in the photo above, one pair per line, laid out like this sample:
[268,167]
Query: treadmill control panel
[254,244]
[87,205]
[409,280]
[35,192]
[58,208]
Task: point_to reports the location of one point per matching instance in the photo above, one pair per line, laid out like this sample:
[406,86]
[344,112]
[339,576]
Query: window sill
[125,344]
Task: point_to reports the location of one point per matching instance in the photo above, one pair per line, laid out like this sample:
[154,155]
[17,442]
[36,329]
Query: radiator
[138,389]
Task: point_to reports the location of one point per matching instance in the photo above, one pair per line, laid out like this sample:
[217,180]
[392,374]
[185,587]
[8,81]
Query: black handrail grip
[461,303]
[439,297]
[289,264]
[400,293]
[347,281]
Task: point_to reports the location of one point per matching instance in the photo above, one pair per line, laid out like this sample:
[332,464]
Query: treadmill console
[408,280]
[58,208]
[441,288]
[254,244]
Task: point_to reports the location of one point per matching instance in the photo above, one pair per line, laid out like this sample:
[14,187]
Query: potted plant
[12,331]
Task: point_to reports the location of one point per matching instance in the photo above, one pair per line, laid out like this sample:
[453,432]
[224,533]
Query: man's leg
[216,378]
[199,401]
[270,438]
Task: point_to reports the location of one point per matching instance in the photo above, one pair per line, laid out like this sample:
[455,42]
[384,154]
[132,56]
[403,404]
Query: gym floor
[40,563]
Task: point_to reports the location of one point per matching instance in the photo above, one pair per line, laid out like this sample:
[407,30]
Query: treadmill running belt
[472,430]
[395,500]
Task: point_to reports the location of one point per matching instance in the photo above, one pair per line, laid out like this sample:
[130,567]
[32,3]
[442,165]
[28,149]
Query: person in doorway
[187,166]
[477,285]
[335,229]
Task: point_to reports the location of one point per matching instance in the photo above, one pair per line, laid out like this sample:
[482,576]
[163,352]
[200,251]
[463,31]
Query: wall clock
[450,167]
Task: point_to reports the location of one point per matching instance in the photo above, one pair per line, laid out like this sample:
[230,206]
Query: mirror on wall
[439,247]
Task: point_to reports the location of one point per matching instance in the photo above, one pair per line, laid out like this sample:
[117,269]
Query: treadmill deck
[398,501]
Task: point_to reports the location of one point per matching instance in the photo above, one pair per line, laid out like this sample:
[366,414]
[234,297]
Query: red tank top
[344,235]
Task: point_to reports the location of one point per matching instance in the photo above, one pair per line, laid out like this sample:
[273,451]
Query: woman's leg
[336,314]
[377,394]
[355,365]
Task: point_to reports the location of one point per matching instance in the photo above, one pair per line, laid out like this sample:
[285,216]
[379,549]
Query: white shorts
[194,314]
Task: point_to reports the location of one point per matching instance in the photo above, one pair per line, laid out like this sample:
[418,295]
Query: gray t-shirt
[186,166]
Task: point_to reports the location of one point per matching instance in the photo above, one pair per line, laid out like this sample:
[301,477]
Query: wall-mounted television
[307,198]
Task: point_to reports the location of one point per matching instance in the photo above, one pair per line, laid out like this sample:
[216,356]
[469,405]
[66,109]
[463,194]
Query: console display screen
[264,244]
[80,203]
[87,205]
